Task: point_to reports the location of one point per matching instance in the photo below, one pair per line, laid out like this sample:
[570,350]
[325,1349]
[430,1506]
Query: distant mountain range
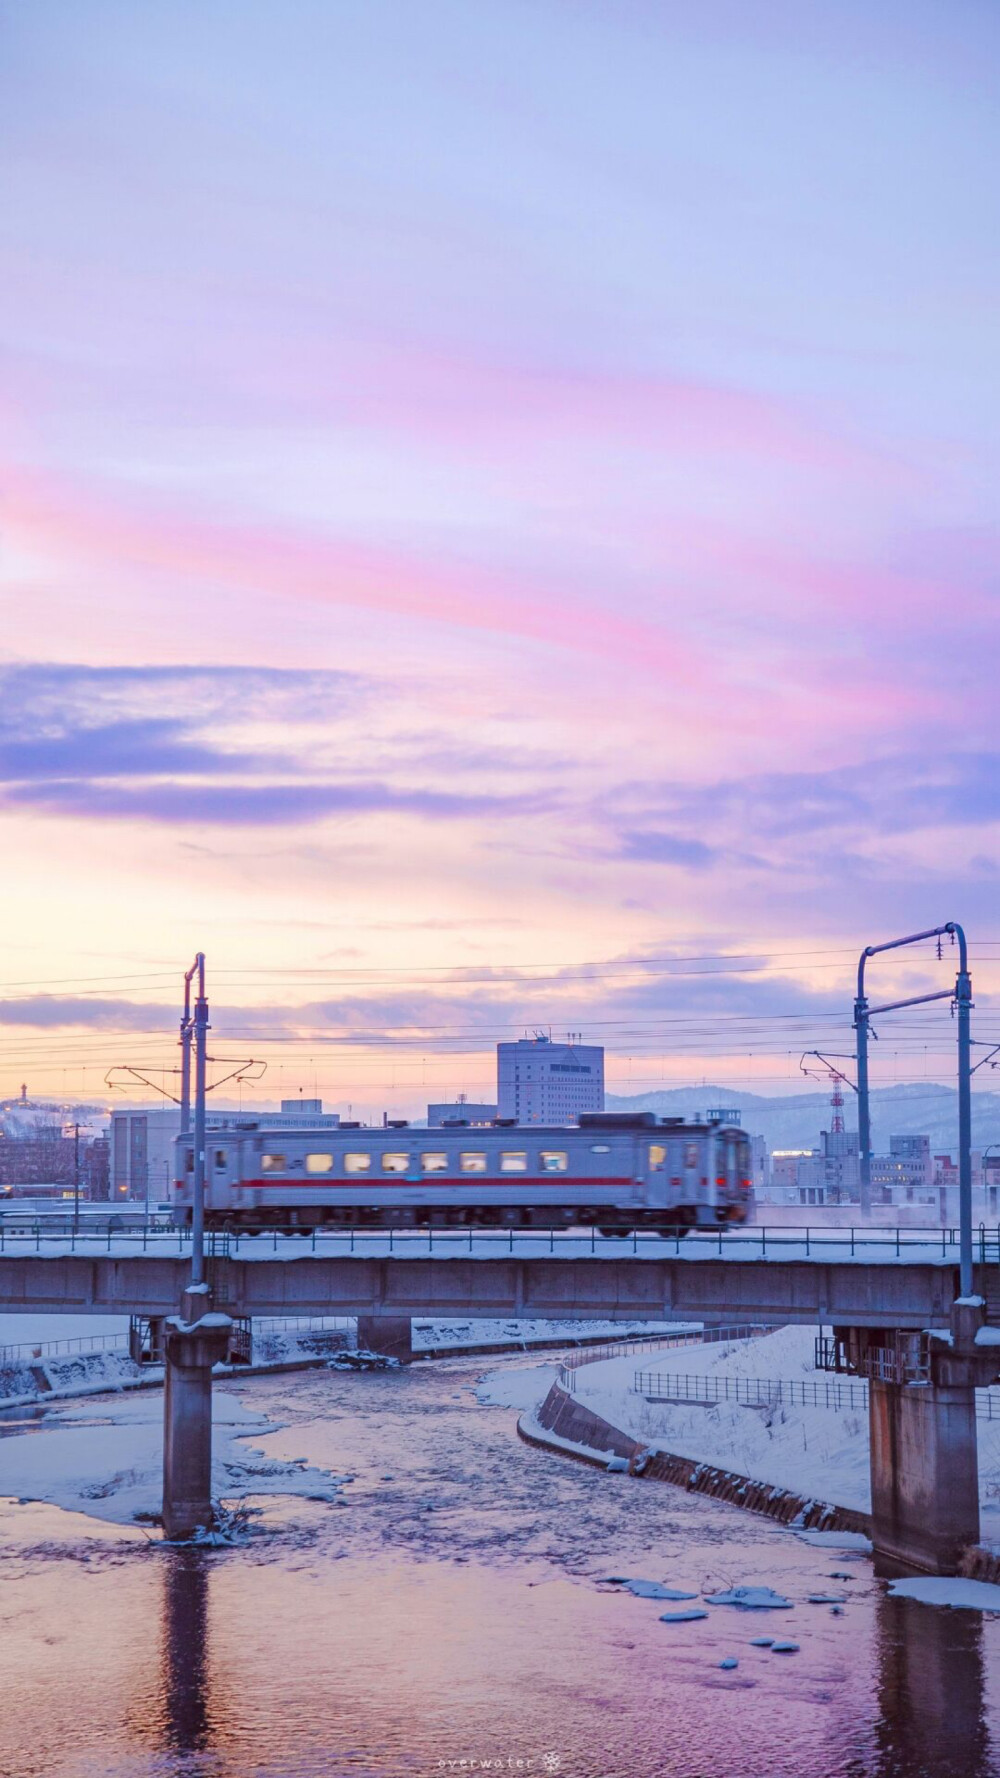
[796,1119]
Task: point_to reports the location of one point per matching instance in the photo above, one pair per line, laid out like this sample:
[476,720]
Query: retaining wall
[567,1418]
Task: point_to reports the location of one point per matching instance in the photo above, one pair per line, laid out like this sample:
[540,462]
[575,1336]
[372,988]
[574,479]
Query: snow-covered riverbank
[814,1451]
[105,1458]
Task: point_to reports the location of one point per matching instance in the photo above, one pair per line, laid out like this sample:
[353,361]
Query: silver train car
[611,1171]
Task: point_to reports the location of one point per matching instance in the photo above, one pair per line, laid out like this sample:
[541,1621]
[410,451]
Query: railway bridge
[891,1310]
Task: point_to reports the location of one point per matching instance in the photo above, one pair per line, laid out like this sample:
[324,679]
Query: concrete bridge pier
[391,1334]
[923,1449]
[925,1483]
[192,1347]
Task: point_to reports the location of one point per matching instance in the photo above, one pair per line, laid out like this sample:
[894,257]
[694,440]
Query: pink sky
[518,491]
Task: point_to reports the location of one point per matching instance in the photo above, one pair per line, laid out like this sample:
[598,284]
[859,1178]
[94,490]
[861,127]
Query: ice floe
[951,1590]
[751,1599]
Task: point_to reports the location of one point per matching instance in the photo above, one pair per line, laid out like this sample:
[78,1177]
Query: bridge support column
[191,1349]
[925,1483]
[924,1469]
[391,1334]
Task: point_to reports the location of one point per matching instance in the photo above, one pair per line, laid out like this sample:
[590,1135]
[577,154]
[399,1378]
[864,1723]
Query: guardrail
[39,1350]
[749,1392]
[756,1238]
[28,1349]
[705,1336]
[772,1392]
[267,1324]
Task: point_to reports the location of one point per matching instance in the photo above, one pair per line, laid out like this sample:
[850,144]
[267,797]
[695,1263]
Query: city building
[830,1174]
[461,1110]
[143,1137]
[985,1184]
[785,1164]
[541,1082]
[904,1175]
[48,1157]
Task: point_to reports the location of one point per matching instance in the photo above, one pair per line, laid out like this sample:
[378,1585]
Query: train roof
[590,1122]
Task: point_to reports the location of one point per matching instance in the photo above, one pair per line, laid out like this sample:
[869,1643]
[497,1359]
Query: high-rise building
[541,1082]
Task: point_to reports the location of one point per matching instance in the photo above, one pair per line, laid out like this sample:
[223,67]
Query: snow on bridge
[897,1278]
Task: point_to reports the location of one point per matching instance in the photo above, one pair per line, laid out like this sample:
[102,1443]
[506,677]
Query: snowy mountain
[795,1119]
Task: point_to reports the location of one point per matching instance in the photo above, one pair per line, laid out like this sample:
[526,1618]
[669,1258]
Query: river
[451,1607]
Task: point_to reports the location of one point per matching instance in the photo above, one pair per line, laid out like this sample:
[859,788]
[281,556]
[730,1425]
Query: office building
[461,1110]
[541,1082]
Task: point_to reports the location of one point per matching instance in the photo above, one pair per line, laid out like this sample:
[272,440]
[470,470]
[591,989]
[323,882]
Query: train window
[273,1163]
[220,1159]
[514,1160]
[472,1163]
[554,1160]
[357,1163]
[319,1163]
[690,1154]
[657,1157]
[434,1162]
[395,1163]
[600,1148]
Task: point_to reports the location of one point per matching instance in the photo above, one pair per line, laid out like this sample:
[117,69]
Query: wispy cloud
[257,805]
[61,755]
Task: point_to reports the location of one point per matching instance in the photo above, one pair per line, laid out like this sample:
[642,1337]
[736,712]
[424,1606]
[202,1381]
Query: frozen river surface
[450,1604]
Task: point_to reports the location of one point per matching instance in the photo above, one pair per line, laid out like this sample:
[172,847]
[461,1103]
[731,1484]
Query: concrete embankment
[561,1423]
[102,1373]
[26,1382]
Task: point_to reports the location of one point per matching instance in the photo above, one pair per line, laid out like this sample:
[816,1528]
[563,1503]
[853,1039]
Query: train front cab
[733,1178]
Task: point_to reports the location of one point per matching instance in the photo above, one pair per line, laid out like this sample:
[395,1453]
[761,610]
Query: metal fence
[28,1349]
[271,1324]
[706,1336]
[757,1238]
[774,1392]
[750,1392]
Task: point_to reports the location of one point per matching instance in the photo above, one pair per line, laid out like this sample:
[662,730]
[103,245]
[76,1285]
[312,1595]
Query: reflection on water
[455,1610]
[931,1691]
[185,1650]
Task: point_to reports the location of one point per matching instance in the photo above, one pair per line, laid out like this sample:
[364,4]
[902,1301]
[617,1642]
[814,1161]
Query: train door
[693,1171]
[221,1169]
[657,1176]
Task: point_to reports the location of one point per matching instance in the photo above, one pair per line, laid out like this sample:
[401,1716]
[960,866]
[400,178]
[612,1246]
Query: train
[612,1171]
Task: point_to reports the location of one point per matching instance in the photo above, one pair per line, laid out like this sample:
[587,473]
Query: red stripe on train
[357,1181]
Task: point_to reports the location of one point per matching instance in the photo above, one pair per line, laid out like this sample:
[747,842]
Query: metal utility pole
[963,1008]
[185,1099]
[200,1034]
[864,1117]
[76,1179]
[961,998]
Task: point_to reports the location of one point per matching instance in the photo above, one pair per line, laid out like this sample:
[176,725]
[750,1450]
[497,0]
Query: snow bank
[821,1452]
[47,1379]
[523,1387]
[814,1451]
[499,1331]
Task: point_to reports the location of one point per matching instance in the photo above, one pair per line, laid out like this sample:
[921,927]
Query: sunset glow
[499,530]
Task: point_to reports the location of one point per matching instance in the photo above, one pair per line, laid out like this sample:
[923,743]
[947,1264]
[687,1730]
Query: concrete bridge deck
[914,1291]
